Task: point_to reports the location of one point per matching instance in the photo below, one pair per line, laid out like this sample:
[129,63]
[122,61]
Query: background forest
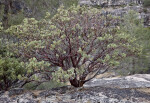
[17,15]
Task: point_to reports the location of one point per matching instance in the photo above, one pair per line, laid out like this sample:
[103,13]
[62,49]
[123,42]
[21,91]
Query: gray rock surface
[87,95]
[107,90]
[120,8]
[134,81]
[111,2]
[16,91]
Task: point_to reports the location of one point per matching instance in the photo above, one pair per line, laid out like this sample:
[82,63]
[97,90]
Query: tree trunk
[7,5]
[76,83]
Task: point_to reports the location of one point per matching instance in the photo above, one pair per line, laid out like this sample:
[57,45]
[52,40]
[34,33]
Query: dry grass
[36,92]
[145,90]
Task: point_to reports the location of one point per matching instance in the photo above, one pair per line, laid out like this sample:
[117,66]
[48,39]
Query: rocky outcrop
[107,90]
[134,81]
[105,3]
[120,8]
[87,95]
[16,91]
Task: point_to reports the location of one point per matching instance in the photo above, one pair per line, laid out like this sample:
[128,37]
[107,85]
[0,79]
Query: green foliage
[73,43]
[33,67]
[146,3]
[43,86]
[33,64]
[39,7]
[36,9]
[68,3]
[132,4]
[63,76]
[97,6]
[134,26]
[30,86]
[131,23]
[12,19]
[10,70]
[50,85]
[15,19]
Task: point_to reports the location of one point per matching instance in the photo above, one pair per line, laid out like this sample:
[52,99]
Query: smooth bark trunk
[76,83]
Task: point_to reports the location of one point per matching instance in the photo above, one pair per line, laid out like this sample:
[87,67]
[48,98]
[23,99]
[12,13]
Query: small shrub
[50,85]
[10,70]
[43,86]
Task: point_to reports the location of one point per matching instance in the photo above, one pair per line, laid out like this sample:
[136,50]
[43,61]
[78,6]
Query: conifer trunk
[5,18]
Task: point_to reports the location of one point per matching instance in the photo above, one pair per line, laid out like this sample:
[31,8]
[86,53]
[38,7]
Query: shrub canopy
[76,42]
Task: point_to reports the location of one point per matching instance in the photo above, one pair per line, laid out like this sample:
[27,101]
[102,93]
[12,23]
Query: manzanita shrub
[75,43]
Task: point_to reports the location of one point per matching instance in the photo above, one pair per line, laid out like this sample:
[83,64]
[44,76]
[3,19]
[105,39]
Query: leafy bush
[10,70]
[76,42]
[50,85]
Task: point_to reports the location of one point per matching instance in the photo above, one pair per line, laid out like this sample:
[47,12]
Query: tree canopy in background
[146,3]
[12,12]
[134,26]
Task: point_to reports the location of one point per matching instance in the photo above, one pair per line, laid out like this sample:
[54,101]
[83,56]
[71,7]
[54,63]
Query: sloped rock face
[110,2]
[134,81]
[91,95]
[110,90]
[17,6]
[87,95]
[120,8]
